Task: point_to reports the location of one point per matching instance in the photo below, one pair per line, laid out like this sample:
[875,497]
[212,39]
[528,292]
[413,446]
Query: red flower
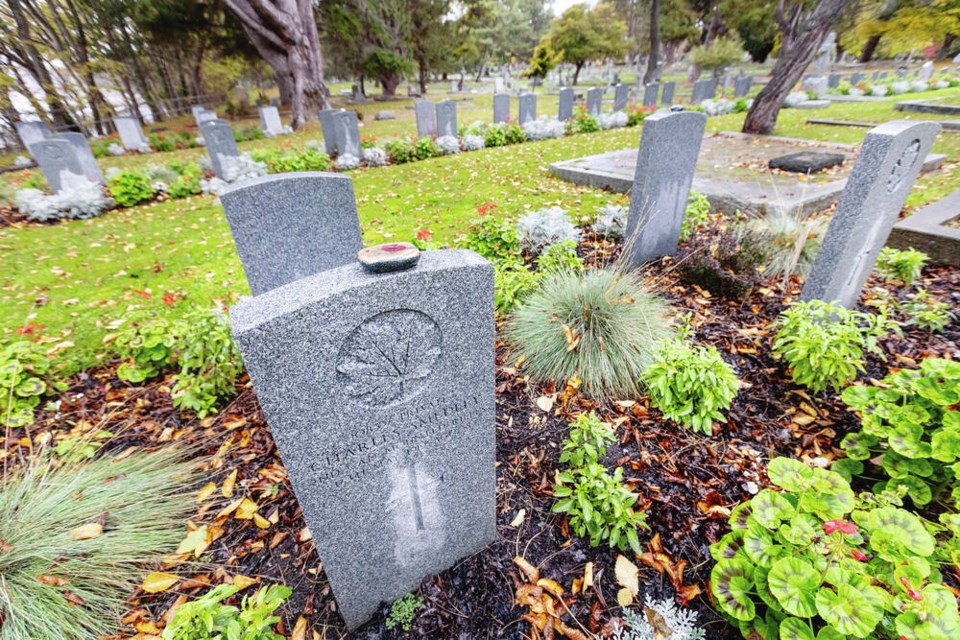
[858,555]
[485,207]
[141,292]
[170,299]
[424,234]
[913,593]
[28,329]
[844,527]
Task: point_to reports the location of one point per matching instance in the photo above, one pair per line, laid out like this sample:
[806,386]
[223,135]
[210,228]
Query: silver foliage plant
[718,107]
[612,120]
[78,199]
[541,228]
[241,168]
[611,220]
[545,128]
[449,144]
[116,150]
[473,142]
[661,620]
[347,162]
[794,99]
[375,157]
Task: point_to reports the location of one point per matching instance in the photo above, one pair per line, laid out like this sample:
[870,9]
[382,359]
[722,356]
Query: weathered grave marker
[292,225]
[501,107]
[379,392]
[218,137]
[669,146]
[32,132]
[426,118]
[701,91]
[84,154]
[666,97]
[833,80]
[650,91]
[347,133]
[131,134]
[56,157]
[270,120]
[621,96]
[447,118]
[594,101]
[328,125]
[926,71]
[565,111]
[857,77]
[886,168]
[741,86]
[528,108]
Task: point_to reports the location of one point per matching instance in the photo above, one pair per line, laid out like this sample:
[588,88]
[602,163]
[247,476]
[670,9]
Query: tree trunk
[947,45]
[869,48]
[389,84]
[422,77]
[653,60]
[284,33]
[801,35]
[576,72]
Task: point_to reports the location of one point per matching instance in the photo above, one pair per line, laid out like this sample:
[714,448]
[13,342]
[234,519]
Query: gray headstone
[886,168]
[205,115]
[426,118]
[385,115]
[857,77]
[699,91]
[711,88]
[666,96]
[926,71]
[379,392]
[87,160]
[621,96]
[594,101]
[901,72]
[447,118]
[292,225]
[875,75]
[328,125]
[669,146]
[501,107]
[806,161]
[197,109]
[56,157]
[833,80]
[270,120]
[498,85]
[883,75]
[528,108]
[741,86]
[650,91]
[565,111]
[130,132]
[32,132]
[347,127]
[218,137]
[817,84]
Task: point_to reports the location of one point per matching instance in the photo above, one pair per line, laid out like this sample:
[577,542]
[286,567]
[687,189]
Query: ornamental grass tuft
[74,535]
[602,328]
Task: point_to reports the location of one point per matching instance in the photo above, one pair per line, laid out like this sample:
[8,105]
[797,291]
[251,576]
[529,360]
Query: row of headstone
[63,156]
[131,134]
[341,132]
[436,119]
[375,372]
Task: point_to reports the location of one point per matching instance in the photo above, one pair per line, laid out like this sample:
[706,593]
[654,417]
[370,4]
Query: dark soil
[686,482]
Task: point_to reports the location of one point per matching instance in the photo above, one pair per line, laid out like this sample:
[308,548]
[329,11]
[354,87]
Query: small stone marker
[669,146]
[379,392]
[701,91]
[711,87]
[883,75]
[196,110]
[666,96]
[741,86]
[806,161]
[328,124]
[857,77]
[218,137]
[875,75]
[388,257]
[32,132]
[650,91]
[270,120]
[501,107]
[292,225]
[56,157]
[565,111]
[817,84]
[594,101]
[621,95]
[205,116]
[886,168]
[385,115]
[426,118]
[498,85]
[84,154]
[926,71]
[833,80]
[131,134]
[447,118]
[347,132]
[528,108]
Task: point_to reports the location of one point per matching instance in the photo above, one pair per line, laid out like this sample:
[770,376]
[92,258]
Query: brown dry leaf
[206,491]
[587,576]
[260,521]
[570,632]
[531,573]
[159,581]
[627,575]
[73,598]
[199,539]
[551,585]
[299,629]
[148,627]
[242,582]
[53,581]
[245,509]
[230,508]
[624,597]
[228,484]
[518,520]
[87,531]
[546,402]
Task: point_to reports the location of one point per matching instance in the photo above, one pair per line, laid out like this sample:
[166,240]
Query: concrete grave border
[927,231]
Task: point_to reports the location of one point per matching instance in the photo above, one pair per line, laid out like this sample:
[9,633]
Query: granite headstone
[857,77]
[528,108]
[270,121]
[131,134]
[650,91]
[328,124]
[926,71]
[426,118]
[87,160]
[666,96]
[447,118]
[565,111]
[33,131]
[218,137]
[594,101]
[56,157]
[347,128]
[501,107]
[741,86]
[621,95]
[833,80]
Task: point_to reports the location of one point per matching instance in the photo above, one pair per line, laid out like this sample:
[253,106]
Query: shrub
[667,622]
[473,142]
[513,133]
[696,214]
[824,343]
[560,256]
[310,159]
[512,281]
[25,377]
[741,105]
[400,151]
[347,162]
[160,176]
[794,564]
[129,189]
[148,344]
[539,229]
[637,113]
[208,616]
[911,419]
[78,198]
[582,122]
[183,187]
[597,503]
[402,612]
[160,143]
[493,239]
[783,244]
[925,311]
[241,168]
[691,385]
[495,136]
[448,145]
[209,364]
[426,148]
[718,55]
[545,128]
[905,266]
[75,535]
[375,157]
[601,327]
[610,221]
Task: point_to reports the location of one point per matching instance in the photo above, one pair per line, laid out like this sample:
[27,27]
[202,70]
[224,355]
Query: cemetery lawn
[77,278]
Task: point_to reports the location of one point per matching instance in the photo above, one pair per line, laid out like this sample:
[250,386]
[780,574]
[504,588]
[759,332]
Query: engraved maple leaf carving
[387,358]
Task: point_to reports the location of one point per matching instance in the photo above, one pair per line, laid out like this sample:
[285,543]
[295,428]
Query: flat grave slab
[946,125]
[935,230]
[937,106]
[732,172]
[807,161]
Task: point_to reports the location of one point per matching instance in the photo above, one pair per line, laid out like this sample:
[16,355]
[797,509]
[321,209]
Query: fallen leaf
[228,484]
[242,582]
[299,629]
[53,581]
[529,571]
[518,520]
[245,510]
[627,575]
[206,492]
[624,597]
[159,581]
[87,531]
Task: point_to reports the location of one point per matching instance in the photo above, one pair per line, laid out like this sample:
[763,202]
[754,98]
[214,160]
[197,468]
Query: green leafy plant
[691,385]
[599,506]
[208,617]
[512,281]
[400,151]
[926,311]
[494,239]
[184,186]
[128,188]
[560,256]
[26,376]
[601,328]
[911,426]
[824,343]
[426,148]
[210,363]
[582,122]
[76,535]
[513,133]
[740,105]
[147,344]
[904,266]
[796,567]
[637,113]
[402,612]
[696,214]
[495,136]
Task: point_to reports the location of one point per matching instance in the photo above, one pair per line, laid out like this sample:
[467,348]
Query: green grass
[78,277]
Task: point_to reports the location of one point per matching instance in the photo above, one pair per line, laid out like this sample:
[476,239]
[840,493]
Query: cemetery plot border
[928,230]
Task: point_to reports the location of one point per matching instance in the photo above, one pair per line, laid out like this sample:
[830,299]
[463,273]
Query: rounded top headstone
[393,256]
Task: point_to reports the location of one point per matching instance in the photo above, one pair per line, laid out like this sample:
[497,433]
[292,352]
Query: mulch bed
[687,482]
